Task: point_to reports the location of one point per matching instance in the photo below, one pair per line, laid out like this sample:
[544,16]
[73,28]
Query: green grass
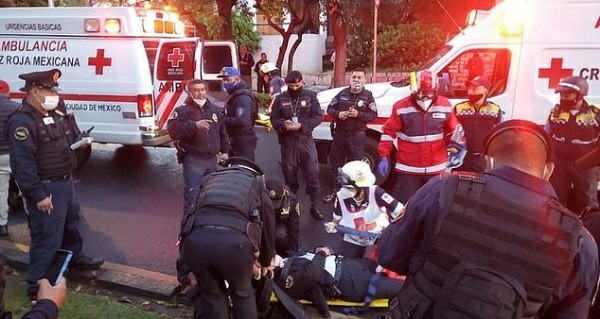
[78,305]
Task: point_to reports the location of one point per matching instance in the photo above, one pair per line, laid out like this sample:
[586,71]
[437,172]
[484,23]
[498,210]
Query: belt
[217,227]
[58,178]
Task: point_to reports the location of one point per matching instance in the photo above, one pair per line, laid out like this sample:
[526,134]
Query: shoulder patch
[21,133]
[298,208]
[289,282]
[215,117]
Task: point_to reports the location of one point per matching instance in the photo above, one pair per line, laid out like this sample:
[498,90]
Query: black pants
[244,146]
[350,250]
[575,189]
[300,153]
[407,184]
[355,278]
[261,85]
[216,256]
[345,147]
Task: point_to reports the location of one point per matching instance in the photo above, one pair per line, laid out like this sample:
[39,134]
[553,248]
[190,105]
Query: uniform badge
[289,282]
[298,209]
[21,133]
[215,117]
[174,115]
[272,194]
[439,115]
[373,106]
[360,103]
[303,103]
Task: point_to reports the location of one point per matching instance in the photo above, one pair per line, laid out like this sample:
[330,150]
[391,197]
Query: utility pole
[374,77]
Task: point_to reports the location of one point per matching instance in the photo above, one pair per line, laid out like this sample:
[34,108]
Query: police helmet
[520,125]
[268,67]
[357,174]
[244,163]
[277,192]
[573,83]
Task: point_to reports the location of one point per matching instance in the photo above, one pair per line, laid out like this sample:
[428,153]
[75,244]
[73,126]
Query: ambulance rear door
[216,55]
[174,65]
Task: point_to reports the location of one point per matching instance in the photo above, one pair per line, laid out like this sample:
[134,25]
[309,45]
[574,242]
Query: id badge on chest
[294,120]
[48,120]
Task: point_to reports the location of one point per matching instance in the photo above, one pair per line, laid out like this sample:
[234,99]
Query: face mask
[424,103]
[294,93]
[50,102]
[567,104]
[474,98]
[200,102]
[346,192]
[356,85]
[228,87]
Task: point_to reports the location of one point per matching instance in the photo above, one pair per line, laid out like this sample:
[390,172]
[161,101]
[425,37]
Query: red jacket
[421,138]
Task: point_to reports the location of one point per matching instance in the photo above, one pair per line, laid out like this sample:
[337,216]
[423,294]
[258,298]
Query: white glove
[330,227]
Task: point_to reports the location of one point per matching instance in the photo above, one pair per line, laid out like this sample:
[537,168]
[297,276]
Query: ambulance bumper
[154,137]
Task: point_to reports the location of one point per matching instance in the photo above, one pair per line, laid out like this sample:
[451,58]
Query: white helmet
[268,67]
[356,173]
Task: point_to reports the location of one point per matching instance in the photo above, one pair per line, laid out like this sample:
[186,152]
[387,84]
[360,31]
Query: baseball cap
[293,77]
[4,87]
[228,71]
[480,81]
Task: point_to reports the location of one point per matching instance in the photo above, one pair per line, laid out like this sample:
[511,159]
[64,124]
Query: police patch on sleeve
[21,133]
[387,198]
[373,106]
[289,282]
[215,117]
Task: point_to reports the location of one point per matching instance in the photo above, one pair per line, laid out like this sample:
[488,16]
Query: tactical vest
[574,135]
[360,102]
[53,156]
[249,130]
[492,257]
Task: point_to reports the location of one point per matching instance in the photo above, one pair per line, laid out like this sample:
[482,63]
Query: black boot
[316,213]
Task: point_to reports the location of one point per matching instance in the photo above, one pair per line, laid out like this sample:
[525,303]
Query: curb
[125,279]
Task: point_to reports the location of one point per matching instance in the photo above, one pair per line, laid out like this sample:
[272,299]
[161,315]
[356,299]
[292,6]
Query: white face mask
[50,102]
[200,102]
[424,103]
[346,193]
[356,85]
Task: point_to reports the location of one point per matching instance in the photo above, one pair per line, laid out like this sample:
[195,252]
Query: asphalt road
[131,204]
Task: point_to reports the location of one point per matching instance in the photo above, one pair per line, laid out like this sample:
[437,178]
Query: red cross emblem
[99,61]
[555,72]
[176,57]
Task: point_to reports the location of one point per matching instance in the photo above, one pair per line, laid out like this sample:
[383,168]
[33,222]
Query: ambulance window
[491,63]
[176,61]
[216,57]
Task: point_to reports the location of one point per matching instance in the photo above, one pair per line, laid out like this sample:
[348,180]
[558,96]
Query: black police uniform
[318,278]
[200,146]
[573,136]
[239,120]
[287,219]
[476,122]
[233,220]
[349,134]
[298,148]
[505,222]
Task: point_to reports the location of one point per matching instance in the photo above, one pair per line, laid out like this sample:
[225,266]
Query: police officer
[199,130]
[7,107]
[478,116]
[240,112]
[42,161]
[233,220]
[322,276]
[351,110]
[287,218]
[296,112]
[574,126]
[493,245]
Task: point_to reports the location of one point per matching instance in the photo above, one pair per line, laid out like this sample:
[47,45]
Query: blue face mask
[228,87]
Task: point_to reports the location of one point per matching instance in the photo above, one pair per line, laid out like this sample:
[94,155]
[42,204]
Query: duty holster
[180,152]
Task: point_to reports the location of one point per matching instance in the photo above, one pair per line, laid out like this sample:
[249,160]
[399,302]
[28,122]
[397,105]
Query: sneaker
[84,262]
[316,213]
[328,199]
[3,230]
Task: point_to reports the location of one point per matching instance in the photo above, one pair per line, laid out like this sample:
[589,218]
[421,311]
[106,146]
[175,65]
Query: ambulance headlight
[179,27]
[112,26]
[91,25]
[148,25]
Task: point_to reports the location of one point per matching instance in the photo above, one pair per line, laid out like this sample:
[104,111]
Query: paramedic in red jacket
[424,128]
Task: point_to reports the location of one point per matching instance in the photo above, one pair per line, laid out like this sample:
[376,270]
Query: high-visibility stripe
[87,97]
[420,138]
[386,138]
[421,170]
[165,115]
[161,95]
[431,109]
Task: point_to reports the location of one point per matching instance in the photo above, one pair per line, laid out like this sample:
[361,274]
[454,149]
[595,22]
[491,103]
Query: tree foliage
[243,30]
[404,47]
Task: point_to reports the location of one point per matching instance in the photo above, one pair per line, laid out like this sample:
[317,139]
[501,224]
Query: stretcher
[377,303]
[264,120]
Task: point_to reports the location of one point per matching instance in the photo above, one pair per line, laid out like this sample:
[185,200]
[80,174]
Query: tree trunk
[338,27]
[224,8]
[294,48]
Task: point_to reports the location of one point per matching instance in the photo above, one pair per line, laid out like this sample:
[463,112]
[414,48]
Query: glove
[384,166]
[330,227]
[455,157]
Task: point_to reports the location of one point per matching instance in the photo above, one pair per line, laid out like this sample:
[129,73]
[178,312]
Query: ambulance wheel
[83,155]
[372,157]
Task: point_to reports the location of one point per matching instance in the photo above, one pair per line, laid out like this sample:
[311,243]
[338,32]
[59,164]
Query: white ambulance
[122,67]
[523,46]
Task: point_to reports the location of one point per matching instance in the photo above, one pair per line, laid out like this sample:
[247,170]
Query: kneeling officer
[232,223]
